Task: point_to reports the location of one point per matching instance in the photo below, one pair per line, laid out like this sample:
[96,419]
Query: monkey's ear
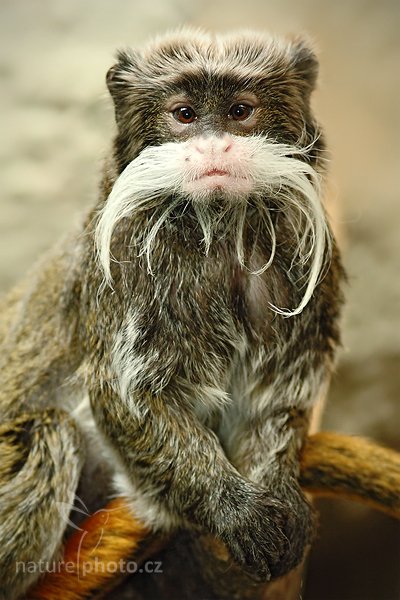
[304,62]
[122,75]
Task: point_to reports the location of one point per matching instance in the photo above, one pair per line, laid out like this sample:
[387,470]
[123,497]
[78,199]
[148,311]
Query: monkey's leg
[41,458]
[184,476]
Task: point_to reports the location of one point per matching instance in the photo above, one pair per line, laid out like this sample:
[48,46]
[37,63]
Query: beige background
[55,125]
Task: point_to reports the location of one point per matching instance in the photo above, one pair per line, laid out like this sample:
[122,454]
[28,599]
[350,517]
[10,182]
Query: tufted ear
[121,76]
[304,62]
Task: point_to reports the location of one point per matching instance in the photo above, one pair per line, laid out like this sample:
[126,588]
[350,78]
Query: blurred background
[56,124]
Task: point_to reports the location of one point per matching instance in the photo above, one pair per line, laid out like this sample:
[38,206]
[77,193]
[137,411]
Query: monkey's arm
[331,464]
[37,348]
[264,446]
[286,382]
[182,472]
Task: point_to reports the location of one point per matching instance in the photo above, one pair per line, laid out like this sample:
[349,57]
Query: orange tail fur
[92,556]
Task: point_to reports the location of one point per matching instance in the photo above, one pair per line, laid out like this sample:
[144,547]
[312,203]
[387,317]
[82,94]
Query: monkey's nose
[214,145]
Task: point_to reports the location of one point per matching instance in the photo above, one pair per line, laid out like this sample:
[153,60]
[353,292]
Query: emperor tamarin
[196,308]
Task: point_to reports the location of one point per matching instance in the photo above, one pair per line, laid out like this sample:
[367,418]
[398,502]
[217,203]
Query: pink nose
[214,145]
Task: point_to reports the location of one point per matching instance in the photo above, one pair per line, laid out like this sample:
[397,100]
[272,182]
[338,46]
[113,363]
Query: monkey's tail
[339,465]
[95,554]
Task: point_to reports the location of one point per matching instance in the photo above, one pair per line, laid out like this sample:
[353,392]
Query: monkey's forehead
[191,55]
[214,51]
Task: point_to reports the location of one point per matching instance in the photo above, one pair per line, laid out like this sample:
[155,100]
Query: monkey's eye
[184,114]
[240,112]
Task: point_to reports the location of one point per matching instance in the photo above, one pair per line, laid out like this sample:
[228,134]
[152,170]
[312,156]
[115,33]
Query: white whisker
[163,177]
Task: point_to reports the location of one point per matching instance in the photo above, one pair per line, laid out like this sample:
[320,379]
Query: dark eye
[184,114]
[240,112]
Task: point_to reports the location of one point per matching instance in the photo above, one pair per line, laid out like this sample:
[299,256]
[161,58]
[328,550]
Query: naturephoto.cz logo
[83,568]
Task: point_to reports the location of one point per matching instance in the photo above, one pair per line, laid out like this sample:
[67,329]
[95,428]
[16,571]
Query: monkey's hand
[267,533]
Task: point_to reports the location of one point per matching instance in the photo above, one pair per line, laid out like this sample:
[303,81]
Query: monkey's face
[217,125]
[208,95]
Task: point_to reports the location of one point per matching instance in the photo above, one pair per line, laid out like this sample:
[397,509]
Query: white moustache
[267,168]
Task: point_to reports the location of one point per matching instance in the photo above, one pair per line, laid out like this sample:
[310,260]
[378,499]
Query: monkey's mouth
[215,172]
[219,180]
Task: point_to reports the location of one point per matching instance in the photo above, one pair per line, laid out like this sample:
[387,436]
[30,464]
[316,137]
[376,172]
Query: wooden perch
[331,465]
